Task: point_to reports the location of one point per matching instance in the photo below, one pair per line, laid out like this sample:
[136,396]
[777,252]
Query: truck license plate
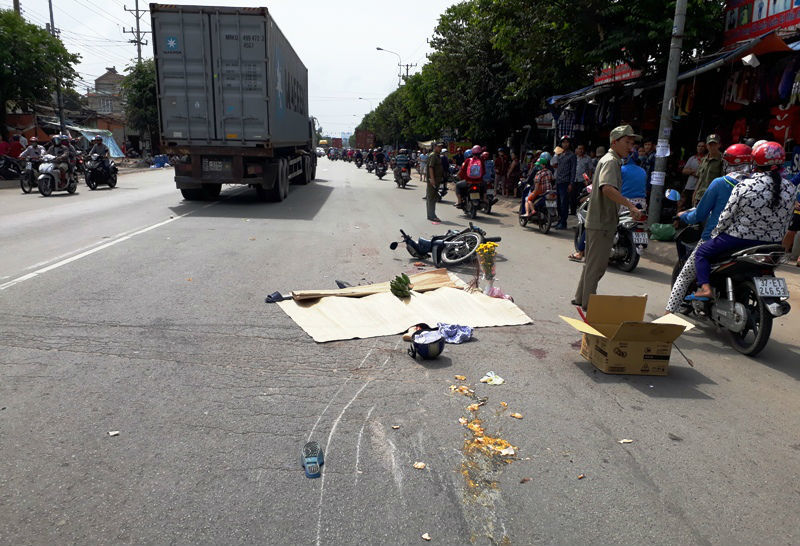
[214,166]
[474,195]
[771,287]
[640,238]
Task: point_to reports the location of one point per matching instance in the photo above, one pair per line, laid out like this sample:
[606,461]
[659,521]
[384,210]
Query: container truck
[232,101]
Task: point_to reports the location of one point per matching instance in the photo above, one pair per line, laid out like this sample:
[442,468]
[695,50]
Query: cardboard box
[617,340]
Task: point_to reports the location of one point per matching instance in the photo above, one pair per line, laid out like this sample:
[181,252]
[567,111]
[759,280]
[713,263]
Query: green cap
[541,161]
[623,131]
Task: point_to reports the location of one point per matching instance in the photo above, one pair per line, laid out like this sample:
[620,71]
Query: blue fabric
[489,168]
[582,241]
[634,181]
[453,333]
[711,205]
[563,204]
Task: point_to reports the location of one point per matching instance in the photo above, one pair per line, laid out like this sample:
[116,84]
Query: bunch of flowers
[487,253]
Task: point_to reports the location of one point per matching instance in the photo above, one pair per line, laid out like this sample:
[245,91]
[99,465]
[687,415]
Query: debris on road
[674,437]
[395,427]
[581,476]
[455,333]
[524,480]
[492,379]
[504,404]
[419,465]
[401,286]
[113,433]
[516,415]
[311,459]
[625,441]
[462,389]
[462,420]
[461,377]
[426,537]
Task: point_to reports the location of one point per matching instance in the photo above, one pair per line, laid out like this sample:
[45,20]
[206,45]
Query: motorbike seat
[760,249]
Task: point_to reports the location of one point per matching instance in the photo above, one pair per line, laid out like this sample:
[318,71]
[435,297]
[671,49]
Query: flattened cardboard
[630,345]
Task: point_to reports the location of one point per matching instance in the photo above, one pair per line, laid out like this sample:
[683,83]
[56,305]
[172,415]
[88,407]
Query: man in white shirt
[692,164]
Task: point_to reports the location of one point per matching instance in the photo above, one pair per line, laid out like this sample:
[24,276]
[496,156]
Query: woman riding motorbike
[737,161]
[758,212]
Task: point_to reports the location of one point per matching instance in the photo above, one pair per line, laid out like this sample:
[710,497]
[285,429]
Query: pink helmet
[476,150]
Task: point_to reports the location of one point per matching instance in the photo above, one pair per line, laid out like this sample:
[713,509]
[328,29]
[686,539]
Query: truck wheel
[280,189]
[193,194]
[306,171]
[211,191]
[314,171]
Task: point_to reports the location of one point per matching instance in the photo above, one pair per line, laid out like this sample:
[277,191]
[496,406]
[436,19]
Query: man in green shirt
[434,178]
[603,214]
[709,169]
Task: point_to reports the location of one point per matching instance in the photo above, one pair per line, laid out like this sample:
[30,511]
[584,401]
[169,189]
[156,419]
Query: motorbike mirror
[393,246]
[673,195]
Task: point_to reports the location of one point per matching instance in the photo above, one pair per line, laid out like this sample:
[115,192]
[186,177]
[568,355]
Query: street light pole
[399,65]
[659,175]
[369,101]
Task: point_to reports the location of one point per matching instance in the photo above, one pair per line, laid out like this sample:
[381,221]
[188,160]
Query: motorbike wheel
[26,184]
[90,181]
[72,186]
[46,187]
[453,254]
[631,259]
[112,180]
[545,221]
[523,220]
[756,332]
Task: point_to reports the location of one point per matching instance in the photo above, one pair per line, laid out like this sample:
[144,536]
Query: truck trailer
[232,101]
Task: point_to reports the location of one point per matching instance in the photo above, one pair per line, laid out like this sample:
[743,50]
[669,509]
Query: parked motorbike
[27,180]
[402,177]
[452,248]
[52,179]
[97,174]
[10,168]
[473,202]
[380,170]
[747,295]
[545,211]
[629,240]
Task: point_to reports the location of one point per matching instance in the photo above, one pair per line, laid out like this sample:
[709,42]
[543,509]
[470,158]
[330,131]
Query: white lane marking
[330,437]
[358,445]
[120,238]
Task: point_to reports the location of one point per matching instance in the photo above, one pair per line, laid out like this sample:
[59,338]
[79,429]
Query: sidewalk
[8,184]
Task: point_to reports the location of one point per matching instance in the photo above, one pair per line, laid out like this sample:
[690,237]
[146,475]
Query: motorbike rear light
[404,169]
[551,197]
[474,188]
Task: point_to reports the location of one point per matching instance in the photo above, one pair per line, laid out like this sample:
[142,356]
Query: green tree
[31,61]
[141,108]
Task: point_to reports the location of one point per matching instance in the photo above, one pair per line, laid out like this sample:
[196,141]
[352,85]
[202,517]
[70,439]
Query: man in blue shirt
[737,159]
[634,183]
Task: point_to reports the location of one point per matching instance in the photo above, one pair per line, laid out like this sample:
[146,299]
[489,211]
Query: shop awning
[89,133]
[767,43]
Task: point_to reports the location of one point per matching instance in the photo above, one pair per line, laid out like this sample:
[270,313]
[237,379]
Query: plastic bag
[662,232]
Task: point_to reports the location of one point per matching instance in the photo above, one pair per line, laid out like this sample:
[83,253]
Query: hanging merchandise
[795,98]
[784,120]
[739,130]
[566,122]
[787,79]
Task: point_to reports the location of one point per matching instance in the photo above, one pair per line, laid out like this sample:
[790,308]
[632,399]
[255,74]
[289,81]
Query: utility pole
[16,7]
[138,32]
[59,98]
[407,67]
[659,175]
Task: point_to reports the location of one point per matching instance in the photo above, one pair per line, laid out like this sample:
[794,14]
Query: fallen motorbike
[9,168]
[747,295]
[27,181]
[545,212]
[629,240]
[454,247]
[52,179]
[97,174]
[380,170]
[402,177]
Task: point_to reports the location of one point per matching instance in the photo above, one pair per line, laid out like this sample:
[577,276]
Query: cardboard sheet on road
[422,282]
[335,318]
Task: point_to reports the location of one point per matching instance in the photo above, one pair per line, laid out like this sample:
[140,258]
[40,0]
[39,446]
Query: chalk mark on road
[358,445]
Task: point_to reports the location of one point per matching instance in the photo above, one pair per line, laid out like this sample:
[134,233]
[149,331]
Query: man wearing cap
[565,164]
[710,168]
[434,178]
[603,215]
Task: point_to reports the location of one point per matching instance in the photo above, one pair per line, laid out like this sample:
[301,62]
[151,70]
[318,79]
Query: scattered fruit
[516,415]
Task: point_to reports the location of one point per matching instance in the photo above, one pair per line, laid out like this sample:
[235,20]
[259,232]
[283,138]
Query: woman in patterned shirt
[757,213]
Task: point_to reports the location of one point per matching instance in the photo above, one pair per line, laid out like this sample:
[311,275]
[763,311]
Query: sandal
[575,258]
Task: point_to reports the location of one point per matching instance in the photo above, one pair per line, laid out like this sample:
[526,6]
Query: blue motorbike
[452,248]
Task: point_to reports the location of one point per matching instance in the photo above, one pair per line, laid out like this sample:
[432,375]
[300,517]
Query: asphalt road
[130,310]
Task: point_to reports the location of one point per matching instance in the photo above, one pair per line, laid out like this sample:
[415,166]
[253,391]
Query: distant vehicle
[320,152]
[216,70]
